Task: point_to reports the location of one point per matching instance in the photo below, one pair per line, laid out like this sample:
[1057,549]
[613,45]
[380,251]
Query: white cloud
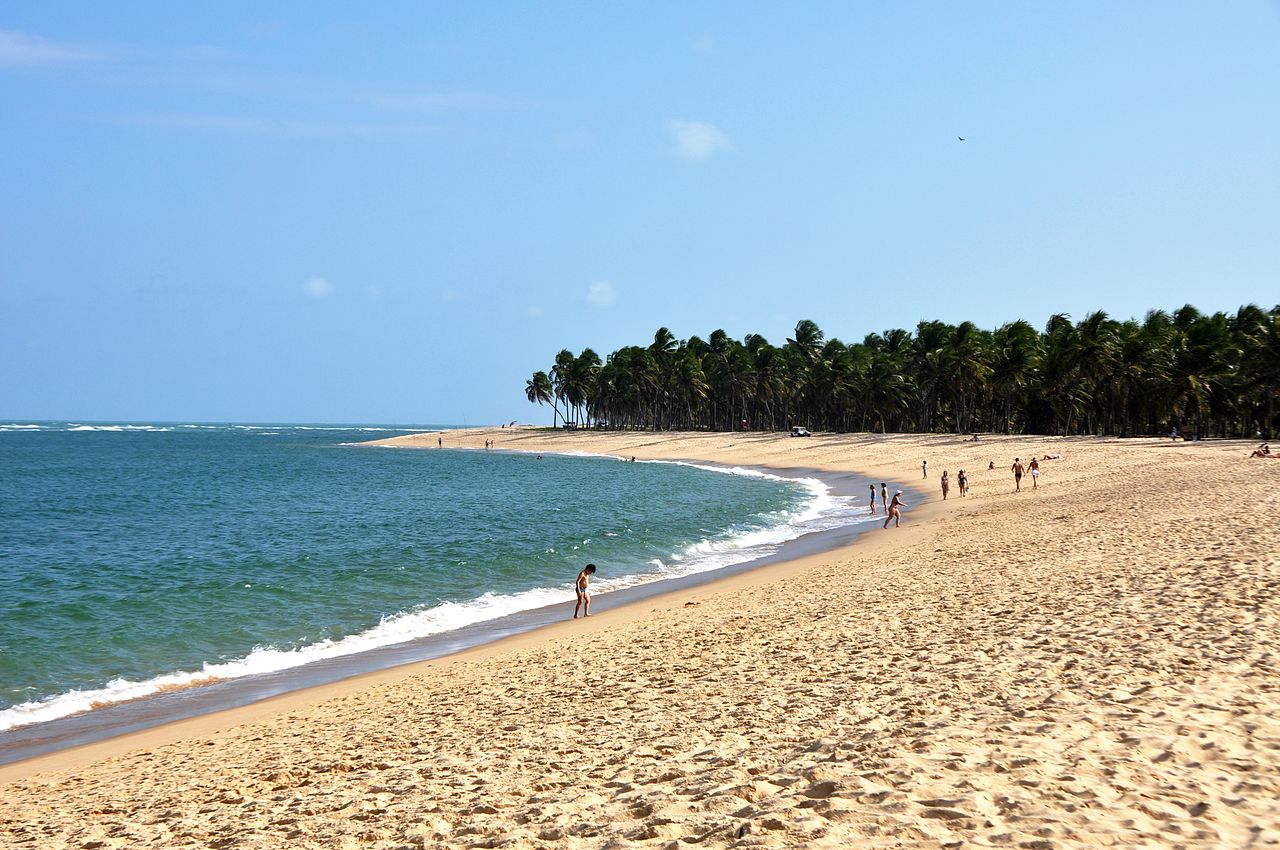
[17,50]
[696,140]
[601,293]
[318,287]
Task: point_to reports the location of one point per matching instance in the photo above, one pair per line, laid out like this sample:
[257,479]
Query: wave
[819,511]
[146,428]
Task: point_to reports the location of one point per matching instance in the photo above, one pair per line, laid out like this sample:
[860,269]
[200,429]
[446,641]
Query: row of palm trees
[1213,375]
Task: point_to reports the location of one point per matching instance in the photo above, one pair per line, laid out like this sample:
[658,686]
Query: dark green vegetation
[1214,375]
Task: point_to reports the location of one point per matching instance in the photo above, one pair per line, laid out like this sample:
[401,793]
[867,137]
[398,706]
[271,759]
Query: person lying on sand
[580,588]
[894,513]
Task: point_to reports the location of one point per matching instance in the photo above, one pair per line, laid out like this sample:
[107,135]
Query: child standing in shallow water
[580,587]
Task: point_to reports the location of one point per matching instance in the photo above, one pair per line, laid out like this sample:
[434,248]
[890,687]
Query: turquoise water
[143,556]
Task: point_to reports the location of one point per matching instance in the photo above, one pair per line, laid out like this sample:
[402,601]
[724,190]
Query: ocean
[139,558]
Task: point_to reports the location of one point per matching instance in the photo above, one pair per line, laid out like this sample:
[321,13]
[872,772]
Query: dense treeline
[1214,375]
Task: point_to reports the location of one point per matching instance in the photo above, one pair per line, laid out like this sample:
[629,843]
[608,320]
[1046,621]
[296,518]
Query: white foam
[118,428]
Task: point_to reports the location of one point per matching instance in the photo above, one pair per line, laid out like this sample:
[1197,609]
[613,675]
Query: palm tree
[538,390]
[807,341]
[1261,347]
[1015,357]
[1218,373]
[967,369]
[562,378]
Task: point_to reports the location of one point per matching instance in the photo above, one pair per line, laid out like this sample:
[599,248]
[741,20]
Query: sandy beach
[1090,663]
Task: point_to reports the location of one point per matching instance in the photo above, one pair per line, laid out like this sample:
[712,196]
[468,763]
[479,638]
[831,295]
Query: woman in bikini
[895,515]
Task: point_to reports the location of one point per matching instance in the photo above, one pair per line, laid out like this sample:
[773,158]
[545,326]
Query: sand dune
[1090,664]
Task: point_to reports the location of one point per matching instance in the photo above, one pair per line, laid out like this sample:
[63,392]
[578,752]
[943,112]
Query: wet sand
[1093,663]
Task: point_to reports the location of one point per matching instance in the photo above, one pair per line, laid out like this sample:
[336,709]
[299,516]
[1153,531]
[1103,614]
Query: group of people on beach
[1019,469]
[892,509]
[1264,450]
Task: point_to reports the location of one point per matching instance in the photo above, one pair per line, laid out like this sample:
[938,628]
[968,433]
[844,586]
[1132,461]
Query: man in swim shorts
[1017,475]
[1035,473]
[580,588]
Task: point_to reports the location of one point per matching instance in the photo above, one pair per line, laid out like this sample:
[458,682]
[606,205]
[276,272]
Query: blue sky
[319,212]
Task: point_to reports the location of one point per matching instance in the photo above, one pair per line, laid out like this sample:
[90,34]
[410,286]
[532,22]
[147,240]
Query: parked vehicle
[797,431]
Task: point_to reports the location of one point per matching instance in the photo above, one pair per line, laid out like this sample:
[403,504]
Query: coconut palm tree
[1219,373]
[1015,358]
[538,390]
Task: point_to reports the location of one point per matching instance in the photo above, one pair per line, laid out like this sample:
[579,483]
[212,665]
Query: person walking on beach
[925,467]
[440,442]
[946,485]
[1035,473]
[580,588]
[963,481]
[884,496]
[873,500]
[1017,475]
[895,515]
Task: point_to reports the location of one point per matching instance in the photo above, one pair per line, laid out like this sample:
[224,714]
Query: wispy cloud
[601,293]
[278,127]
[696,140]
[318,287]
[286,85]
[19,50]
